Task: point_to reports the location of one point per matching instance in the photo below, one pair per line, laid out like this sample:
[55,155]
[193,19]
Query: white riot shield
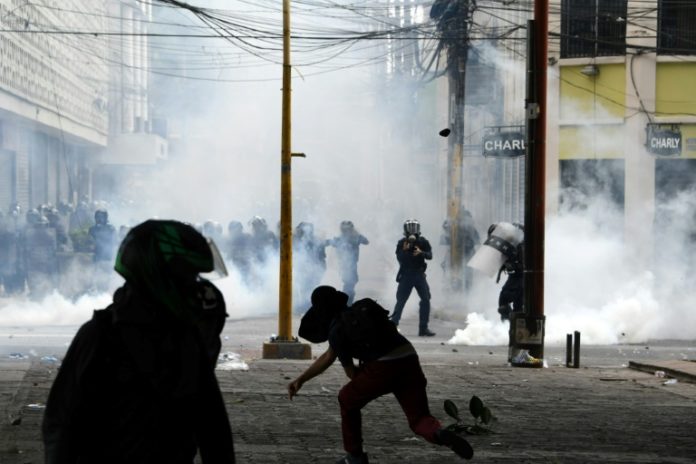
[503,240]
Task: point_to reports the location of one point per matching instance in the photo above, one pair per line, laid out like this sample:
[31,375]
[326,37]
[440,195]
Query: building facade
[622,113]
[53,90]
[134,150]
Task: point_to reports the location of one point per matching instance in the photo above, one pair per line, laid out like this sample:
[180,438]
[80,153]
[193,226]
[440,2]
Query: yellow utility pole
[285,345]
[285,294]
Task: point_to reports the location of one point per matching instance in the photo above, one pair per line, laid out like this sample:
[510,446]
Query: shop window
[592,28]
[592,182]
[675,216]
[677,27]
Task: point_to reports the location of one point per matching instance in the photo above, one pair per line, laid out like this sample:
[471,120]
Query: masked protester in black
[137,384]
[388,364]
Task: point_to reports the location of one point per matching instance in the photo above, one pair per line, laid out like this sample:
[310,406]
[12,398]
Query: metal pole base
[276,349]
[526,347]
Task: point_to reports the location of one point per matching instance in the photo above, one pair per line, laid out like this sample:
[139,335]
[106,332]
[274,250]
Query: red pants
[403,377]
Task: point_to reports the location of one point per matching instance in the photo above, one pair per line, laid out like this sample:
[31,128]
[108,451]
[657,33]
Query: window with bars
[677,27]
[592,28]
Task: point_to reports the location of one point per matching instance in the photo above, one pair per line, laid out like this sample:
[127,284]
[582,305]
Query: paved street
[601,413]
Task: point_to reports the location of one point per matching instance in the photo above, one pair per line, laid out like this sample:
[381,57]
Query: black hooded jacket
[139,386]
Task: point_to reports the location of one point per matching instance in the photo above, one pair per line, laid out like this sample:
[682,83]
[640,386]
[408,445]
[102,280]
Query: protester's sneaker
[426,333]
[456,443]
[353,459]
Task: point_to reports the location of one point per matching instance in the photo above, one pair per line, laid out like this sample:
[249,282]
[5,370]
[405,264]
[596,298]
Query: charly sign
[663,142]
[504,144]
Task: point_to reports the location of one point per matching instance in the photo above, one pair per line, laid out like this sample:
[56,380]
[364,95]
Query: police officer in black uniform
[40,257]
[511,298]
[104,236]
[237,248]
[348,253]
[411,252]
[310,263]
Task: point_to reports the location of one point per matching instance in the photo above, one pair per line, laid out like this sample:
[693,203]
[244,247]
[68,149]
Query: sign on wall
[663,141]
[504,144]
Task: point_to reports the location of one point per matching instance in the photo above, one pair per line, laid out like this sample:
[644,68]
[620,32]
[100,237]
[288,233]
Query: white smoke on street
[53,309]
[595,282]
[374,157]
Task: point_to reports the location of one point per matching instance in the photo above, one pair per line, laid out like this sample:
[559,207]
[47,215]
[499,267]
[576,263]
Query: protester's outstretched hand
[294,387]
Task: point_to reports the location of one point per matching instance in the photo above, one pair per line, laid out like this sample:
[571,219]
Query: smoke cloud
[374,157]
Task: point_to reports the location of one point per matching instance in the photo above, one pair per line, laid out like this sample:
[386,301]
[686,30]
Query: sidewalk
[553,415]
[680,370]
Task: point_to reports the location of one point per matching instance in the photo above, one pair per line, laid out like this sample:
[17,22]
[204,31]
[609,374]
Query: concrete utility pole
[285,345]
[453,18]
[455,160]
[527,330]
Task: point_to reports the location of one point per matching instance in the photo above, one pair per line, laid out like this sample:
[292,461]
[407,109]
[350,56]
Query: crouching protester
[388,363]
[138,385]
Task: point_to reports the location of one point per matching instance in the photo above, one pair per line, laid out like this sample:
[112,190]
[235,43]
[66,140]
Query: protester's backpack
[364,325]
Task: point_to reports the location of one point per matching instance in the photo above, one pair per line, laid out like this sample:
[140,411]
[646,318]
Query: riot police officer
[503,252]
[348,252]
[309,263]
[262,241]
[411,252]
[237,248]
[104,236]
[40,257]
[11,267]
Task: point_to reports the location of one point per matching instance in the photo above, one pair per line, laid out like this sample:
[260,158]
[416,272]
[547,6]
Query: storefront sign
[504,144]
[664,142]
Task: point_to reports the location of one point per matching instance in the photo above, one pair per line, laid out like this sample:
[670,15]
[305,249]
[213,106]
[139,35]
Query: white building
[53,118]
[133,151]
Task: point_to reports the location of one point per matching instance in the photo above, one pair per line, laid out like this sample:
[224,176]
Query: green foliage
[483,417]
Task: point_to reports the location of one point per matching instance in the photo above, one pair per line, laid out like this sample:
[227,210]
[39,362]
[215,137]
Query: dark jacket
[408,262]
[138,386]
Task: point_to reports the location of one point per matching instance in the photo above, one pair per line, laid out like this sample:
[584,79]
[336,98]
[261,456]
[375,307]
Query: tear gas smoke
[363,163]
[374,156]
[597,278]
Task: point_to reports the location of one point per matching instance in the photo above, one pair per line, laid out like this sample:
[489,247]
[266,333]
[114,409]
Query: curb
[684,371]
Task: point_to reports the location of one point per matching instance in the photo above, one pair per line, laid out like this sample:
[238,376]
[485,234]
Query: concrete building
[74,109]
[623,114]
[53,90]
[134,151]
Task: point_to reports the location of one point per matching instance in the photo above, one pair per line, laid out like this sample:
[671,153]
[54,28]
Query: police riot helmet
[305,229]
[162,258]
[101,216]
[411,227]
[347,226]
[258,223]
[209,228]
[65,208]
[15,210]
[234,227]
[52,215]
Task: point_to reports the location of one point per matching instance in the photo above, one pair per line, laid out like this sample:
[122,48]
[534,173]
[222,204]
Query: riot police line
[71,250]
